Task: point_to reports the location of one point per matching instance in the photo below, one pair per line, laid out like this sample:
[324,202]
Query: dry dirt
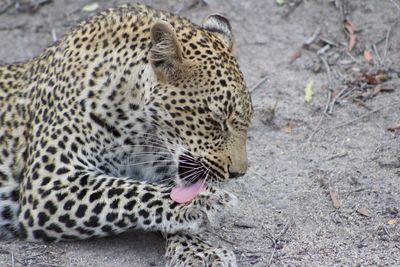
[286,215]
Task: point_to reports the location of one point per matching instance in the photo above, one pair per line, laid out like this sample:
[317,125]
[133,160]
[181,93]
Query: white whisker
[192,176]
[189,171]
[145,162]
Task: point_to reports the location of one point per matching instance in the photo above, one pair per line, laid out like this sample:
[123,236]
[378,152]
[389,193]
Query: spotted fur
[96,130]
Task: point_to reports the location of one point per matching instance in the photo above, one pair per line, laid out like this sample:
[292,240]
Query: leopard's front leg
[87,205]
[186,250]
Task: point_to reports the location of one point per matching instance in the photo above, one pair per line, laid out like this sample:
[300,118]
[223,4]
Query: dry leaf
[367,55]
[381,77]
[352,42]
[352,36]
[280,2]
[90,7]
[334,198]
[309,91]
[392,221]
[371,79]
[289,127]
[377,89]
[295,56]
[376,78]
[349,27]
[364,212]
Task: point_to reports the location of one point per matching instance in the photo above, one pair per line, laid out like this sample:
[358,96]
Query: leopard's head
[200,100]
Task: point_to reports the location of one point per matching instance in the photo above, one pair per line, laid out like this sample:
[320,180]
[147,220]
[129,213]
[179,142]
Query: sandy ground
[302,158]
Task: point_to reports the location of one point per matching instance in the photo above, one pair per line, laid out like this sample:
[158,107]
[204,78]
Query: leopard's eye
[221,120]
[239,125]
[218,116]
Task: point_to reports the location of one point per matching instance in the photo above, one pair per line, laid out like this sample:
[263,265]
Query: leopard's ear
[220,25]
[166,53]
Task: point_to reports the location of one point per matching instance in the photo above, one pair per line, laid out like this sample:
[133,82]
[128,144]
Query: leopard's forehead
[216,78]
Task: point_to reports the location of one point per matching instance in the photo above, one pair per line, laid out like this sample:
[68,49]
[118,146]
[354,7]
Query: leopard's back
[14,120]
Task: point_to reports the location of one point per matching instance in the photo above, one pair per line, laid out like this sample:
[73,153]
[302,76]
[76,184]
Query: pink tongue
[186,194]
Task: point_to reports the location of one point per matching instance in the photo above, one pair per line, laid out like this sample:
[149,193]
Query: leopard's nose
[238,168]
[235,174]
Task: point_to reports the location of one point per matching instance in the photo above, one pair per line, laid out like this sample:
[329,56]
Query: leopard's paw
[186,250]
[213,202]
[206,209]
[209,206]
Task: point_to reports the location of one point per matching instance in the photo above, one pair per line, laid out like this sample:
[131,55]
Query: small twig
[248,251]
[395,3]
[270,236]
[387,41]
[377,54]
[186,5]
[343,10]
[36,255]
[275,240]
[271,258]
[328,71]
[43,2]
[46,264]
[11,253]
[54,35]
[322,50]
[380,40]
[338,155]
[329,42]
[313,37]
[263,79]
[284,229]
[346,94]
[339,74]
[259,175]
[33,248]
[332,104]
[223,238]
[12,259]
[292,8]
[243,225]
[7,7]
[353,58]
[386,44]
[22,263]
[253,259]
[358,118]
[363,116]
[30,6]
[328,102]
[385,230]
[316,129]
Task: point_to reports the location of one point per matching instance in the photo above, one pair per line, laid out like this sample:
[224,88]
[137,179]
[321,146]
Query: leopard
[130,121]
